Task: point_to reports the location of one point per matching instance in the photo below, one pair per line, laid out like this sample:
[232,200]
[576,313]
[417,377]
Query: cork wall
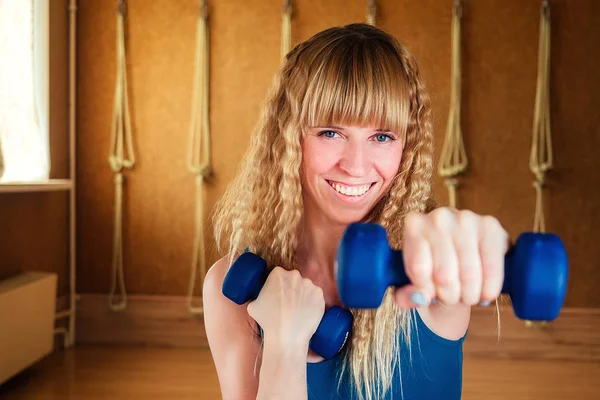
[500,40]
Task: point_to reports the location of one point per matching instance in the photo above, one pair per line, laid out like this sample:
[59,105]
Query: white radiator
[27,309]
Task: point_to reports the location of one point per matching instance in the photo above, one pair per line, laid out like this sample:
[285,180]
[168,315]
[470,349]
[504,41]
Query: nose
[355,159]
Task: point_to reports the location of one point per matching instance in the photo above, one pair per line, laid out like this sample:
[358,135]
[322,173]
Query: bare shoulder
[214,278]
[217,308]
[231,336]
[448,322]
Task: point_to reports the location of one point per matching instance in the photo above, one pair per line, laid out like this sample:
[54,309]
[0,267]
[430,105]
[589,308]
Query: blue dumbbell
[243,283]
[535,271]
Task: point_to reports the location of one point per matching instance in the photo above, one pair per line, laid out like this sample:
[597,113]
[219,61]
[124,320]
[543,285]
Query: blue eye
[328,134]
[382,138]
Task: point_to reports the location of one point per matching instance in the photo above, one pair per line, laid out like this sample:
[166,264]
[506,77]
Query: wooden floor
[125,373]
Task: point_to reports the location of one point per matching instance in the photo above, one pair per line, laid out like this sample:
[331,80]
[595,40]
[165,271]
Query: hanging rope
[540,159]
[199,144]
[453,158]
[286,28]
[121,137]
[372,12]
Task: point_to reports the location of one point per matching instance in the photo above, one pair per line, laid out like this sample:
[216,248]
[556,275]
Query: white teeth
[350,190]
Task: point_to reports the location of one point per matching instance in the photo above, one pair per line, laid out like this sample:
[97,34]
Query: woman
[345,136]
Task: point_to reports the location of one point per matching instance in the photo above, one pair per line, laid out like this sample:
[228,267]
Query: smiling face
[348,97]
[346,170]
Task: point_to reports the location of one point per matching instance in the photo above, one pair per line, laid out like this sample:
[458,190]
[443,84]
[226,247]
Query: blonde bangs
[358,85]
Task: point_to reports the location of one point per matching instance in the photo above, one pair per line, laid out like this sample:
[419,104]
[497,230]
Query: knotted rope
[199,162]
[453,159]
[121,137]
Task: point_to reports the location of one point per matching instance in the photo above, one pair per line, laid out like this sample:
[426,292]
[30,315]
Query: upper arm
[233,343]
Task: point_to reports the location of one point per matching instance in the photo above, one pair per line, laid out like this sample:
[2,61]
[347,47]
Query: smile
[350,190]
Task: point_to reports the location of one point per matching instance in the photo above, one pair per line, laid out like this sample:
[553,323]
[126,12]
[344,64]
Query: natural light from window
[24,152]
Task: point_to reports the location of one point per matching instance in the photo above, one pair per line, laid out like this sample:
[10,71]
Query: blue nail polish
[418,298]
[434,301]
[485,303]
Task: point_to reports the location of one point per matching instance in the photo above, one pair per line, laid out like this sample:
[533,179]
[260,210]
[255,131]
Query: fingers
[493,246]
[418,263]
[469,259]
[409,296]
[445,266]
[453,257]
[431,261]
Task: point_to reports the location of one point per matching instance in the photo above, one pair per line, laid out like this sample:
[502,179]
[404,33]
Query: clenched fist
[453,257]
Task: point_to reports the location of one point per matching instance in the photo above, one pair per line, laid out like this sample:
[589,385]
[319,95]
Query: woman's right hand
[289,308]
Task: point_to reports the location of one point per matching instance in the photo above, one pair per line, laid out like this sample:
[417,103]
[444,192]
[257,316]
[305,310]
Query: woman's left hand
[454,257]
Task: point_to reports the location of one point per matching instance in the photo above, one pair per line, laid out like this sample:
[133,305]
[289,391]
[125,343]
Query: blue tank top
[434,373]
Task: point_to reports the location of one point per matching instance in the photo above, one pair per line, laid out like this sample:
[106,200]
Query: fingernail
[418,298]
[434,301]
[485,303]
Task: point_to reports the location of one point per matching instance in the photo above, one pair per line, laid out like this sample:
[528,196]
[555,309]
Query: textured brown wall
[34,234]
[500,58]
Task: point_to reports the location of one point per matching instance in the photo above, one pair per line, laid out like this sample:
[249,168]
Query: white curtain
[24,143]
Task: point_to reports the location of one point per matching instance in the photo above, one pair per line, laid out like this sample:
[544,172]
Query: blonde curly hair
[351,75]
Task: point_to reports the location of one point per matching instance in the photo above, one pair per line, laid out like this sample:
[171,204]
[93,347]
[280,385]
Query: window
[24,66]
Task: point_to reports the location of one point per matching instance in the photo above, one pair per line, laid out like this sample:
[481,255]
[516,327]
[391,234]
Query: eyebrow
[340,128]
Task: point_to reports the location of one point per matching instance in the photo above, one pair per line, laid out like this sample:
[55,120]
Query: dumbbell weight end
[245,278]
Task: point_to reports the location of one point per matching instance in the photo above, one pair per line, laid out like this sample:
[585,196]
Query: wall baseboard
[165,321]
[573,336]
[162,321]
